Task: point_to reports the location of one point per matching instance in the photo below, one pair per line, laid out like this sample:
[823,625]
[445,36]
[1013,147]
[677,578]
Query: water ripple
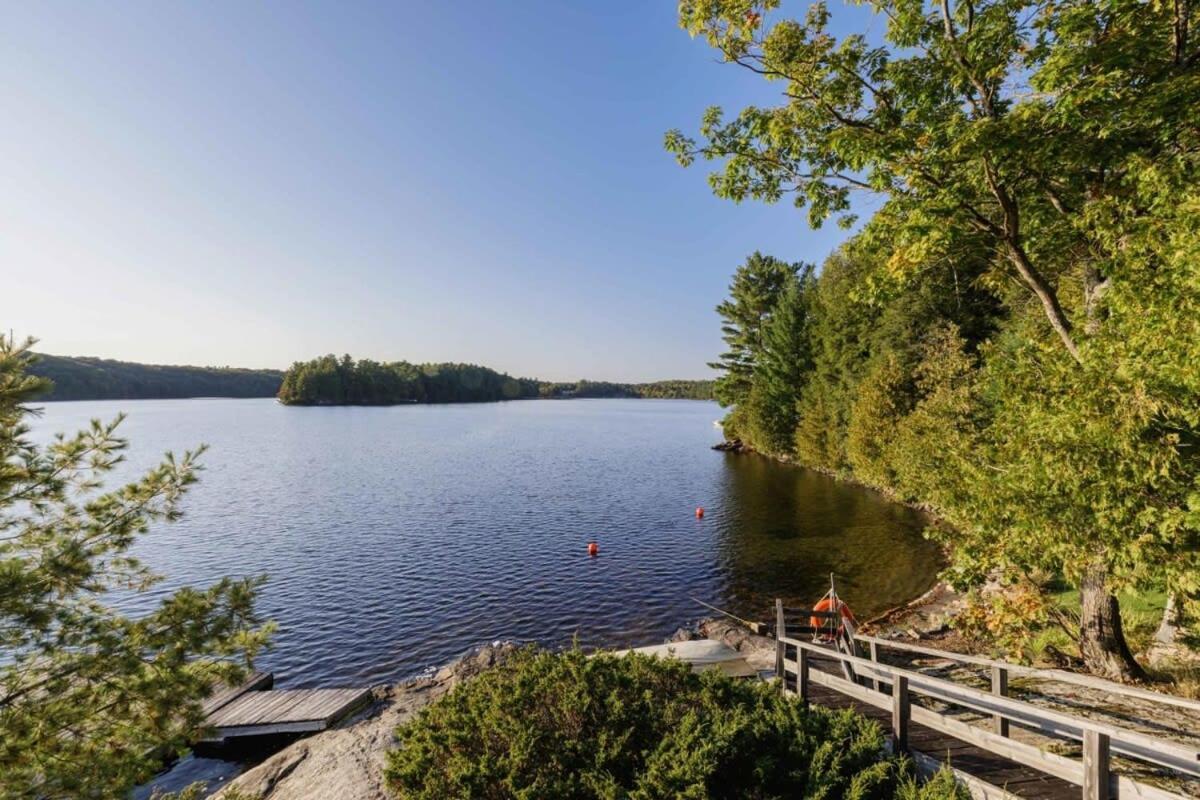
[395,538]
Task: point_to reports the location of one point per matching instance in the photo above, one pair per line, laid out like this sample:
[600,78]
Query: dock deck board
[225,695]
[252,712]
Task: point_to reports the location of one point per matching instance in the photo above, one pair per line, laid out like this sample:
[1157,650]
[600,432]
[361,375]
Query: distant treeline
[84,378]
[330,380]
[659,390]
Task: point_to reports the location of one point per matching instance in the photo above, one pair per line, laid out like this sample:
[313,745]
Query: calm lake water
[395,538]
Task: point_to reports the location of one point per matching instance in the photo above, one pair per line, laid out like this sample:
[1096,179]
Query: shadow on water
[787,528]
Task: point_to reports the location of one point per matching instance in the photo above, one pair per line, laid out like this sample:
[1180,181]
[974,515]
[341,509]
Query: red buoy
[593,549]
[699,513]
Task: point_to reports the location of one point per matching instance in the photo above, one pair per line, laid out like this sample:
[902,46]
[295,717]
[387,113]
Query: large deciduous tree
[1037,130]
[91,699]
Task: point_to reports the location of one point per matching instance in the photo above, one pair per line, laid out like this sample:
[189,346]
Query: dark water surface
[397,537]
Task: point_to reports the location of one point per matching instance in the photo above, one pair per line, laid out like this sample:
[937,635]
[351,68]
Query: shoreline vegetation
[451,735]
[1011,338]
[89,378]
[329,381]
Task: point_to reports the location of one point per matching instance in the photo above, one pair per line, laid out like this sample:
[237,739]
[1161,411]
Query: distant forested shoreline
[87,378]
[330,380]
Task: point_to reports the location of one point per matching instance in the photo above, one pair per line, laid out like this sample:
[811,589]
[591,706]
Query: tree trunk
[1101,639]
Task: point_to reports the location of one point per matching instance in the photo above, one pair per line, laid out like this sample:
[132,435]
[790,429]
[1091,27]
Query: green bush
[564,725]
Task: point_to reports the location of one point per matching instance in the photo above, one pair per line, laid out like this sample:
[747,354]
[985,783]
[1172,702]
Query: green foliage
[567,726]
[879,405]
[756,288]
[89,698]
[332,381]
[80,378]
[658,390]
[1036,165]
[781,368]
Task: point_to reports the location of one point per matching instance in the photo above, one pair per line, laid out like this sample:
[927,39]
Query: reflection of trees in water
[785,529]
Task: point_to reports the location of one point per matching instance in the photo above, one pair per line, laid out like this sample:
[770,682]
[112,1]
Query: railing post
[1000,687]
[874,660]
[802,673]
[901,712]
[780,649]
[1096,775]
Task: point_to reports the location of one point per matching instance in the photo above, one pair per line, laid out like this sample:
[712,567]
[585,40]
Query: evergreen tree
[1052,135]
[783,364]
[756,288]
[90,698]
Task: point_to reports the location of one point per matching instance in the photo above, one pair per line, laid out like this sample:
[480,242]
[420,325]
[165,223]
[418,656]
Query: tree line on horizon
[88,378]
[1013,337]
[330,380]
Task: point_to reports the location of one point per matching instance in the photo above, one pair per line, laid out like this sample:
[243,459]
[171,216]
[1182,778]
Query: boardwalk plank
[1002,773]
[285,710]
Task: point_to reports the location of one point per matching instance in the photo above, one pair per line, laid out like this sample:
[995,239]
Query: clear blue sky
[252,184]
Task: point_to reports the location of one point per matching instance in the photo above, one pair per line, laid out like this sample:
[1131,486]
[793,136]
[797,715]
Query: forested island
[86,378]
[330,380]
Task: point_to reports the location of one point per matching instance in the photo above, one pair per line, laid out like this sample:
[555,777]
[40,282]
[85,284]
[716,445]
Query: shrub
[564,725]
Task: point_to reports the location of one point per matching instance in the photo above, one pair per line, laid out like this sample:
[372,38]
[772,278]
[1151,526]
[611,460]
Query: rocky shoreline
[347,762]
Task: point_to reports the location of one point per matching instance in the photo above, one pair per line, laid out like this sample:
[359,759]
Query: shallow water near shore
[395,538]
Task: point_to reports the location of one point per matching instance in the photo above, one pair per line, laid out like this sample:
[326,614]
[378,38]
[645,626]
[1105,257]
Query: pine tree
[784,362]
[756,288]
[89,697]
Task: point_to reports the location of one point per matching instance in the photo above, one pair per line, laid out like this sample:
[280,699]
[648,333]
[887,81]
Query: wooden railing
[865,679]
[1004,668]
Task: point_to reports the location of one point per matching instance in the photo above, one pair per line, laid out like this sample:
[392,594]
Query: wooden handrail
[1129,743]
[1061,767]
[1063,676]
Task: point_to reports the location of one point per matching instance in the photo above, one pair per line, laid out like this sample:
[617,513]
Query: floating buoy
[593,549]
[699,513]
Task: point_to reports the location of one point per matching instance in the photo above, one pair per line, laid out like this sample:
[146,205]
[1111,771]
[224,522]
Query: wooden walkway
[253,709]
[917,709]
[930,749]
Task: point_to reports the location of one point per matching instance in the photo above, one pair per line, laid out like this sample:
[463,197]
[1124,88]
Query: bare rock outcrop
[347,762]
[759,651]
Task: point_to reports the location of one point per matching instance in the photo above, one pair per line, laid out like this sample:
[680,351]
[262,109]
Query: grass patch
[1141,613]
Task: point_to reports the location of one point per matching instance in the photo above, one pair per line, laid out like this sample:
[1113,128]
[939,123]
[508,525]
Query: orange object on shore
[831,604]
[699,513]
[593,549]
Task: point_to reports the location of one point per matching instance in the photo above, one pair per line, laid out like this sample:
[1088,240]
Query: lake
[395,538]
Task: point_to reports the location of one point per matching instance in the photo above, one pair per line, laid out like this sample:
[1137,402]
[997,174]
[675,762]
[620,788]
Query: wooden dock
[254,709]
[916,709]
